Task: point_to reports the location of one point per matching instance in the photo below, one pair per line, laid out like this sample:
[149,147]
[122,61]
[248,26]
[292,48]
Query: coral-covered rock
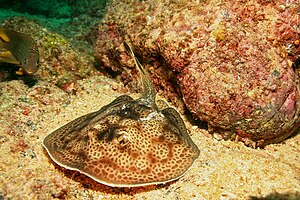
[235,63]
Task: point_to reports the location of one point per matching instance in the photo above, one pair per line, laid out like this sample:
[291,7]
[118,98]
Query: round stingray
[125,144]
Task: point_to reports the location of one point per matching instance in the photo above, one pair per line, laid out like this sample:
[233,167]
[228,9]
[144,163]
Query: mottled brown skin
[126,143]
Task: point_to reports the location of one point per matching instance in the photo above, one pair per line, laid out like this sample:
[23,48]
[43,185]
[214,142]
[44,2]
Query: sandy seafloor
[224,169]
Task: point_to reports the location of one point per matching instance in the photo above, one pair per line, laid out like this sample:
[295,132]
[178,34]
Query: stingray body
[126,143]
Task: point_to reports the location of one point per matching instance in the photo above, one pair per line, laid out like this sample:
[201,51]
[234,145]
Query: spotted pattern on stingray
[127,142]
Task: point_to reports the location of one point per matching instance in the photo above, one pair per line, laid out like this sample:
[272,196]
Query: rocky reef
[234,63]
[174,40]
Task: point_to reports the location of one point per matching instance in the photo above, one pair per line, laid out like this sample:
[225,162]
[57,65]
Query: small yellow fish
[20,49]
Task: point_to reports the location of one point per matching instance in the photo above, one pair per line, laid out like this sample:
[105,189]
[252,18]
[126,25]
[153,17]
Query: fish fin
[20,71]
[174,117]
[4,37]
[6,56]
[122,98]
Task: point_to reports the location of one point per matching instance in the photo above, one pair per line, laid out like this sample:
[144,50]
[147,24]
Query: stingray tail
[149,92]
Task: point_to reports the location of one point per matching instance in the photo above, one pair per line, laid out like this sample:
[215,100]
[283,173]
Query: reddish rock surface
[235,63]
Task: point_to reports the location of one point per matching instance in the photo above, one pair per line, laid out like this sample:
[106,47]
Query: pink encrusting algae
[228,60]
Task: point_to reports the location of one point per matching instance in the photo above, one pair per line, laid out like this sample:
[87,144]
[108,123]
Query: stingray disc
[124,144]
[127,142]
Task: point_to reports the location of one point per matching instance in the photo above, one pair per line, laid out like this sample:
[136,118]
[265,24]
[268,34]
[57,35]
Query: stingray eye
[122,138]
